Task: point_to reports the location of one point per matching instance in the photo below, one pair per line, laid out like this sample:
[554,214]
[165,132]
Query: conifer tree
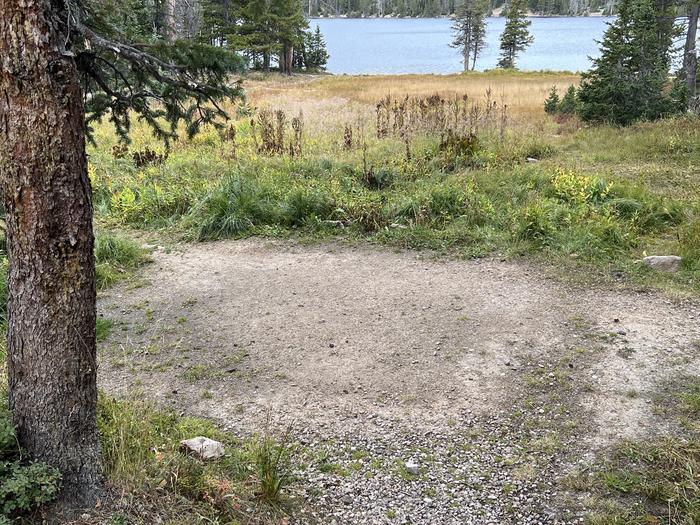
[288,26]
[469,31]
[516,36]
[551,104]
[64,64]
[628,82]
[315,52]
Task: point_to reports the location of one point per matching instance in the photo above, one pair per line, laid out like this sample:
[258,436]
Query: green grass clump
[234,207]
[116,257]
[103,328]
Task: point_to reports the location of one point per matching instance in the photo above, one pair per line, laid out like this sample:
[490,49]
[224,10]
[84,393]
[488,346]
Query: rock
[203,448]
[532,160]
[412,467]
[663,263]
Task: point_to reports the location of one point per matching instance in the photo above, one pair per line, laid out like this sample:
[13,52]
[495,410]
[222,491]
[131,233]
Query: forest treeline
[432,8]
[266,33]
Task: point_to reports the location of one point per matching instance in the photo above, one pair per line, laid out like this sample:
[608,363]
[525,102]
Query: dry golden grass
[524,93]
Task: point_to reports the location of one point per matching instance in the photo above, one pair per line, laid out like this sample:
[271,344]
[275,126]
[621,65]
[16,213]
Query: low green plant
[302,205]
[234,207]
[103,328]
[551,104]
[24,485]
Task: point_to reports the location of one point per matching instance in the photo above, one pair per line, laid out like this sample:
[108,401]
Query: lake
[421,45]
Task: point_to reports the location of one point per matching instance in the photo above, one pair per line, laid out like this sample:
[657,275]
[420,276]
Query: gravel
[476,471]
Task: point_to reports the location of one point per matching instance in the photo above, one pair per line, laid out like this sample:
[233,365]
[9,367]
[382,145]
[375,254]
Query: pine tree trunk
[169,24]
[286,59]
[47,198]
[266,62]
[690,58]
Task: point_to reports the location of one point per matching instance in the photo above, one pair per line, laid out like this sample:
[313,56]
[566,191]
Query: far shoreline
[448,17]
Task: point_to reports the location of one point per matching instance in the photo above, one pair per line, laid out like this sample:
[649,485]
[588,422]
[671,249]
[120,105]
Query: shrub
[23,485]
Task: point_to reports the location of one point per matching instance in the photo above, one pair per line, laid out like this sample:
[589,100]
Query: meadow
[468,165]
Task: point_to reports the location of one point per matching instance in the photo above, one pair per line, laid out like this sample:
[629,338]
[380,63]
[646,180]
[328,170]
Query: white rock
[412,467]
[203,448]
[663,263]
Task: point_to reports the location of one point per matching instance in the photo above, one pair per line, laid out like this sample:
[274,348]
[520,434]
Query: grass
[598,200]
[116,258]
[153,479]
[141,449]
[593,201]
[655,481]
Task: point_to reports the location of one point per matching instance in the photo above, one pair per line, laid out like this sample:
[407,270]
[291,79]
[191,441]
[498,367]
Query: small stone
[663,263]
[203,447]
[532,160]
[412,467]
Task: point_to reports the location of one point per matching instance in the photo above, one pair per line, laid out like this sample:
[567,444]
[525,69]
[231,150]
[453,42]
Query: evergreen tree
[551,104]
[569,102]
[65,64]
[515,37]
[288,26]
[256,35]
[628,81]
[470,31]
[315,52]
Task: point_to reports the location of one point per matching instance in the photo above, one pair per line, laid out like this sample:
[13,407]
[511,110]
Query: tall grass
[142,455]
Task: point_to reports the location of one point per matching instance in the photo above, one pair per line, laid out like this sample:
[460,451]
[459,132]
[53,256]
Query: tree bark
[169,24]
[47,198]
[286,58]
[690,58]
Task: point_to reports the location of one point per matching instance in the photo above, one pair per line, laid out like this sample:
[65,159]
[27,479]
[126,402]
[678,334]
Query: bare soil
[334,336]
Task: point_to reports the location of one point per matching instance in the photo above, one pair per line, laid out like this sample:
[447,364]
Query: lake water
[421,45]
